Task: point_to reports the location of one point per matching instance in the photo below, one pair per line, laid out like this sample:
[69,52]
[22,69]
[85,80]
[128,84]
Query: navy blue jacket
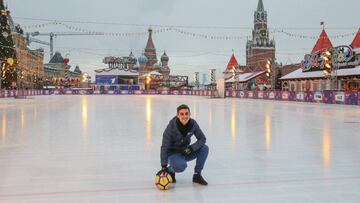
[174,142]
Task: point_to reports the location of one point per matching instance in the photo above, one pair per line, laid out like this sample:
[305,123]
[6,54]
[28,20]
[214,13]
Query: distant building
[144,72]
[260,48]
[237,79]
[56,73]
[341,73]
[148,64]
[30,69]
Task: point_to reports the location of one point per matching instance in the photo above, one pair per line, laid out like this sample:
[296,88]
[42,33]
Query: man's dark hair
[182,106]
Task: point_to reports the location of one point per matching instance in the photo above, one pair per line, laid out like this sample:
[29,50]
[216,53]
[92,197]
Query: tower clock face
[263,32]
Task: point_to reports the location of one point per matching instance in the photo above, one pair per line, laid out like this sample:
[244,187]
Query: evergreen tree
[7,52]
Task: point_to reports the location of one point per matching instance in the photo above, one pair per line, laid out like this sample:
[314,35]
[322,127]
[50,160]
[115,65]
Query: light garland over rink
[41,25]
[157,31]
[311,37]
[179,30]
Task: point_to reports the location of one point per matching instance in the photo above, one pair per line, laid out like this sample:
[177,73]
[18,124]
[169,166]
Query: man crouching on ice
[176,149]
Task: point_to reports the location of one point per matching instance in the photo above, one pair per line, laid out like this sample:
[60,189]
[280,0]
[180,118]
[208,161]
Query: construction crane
[30,35]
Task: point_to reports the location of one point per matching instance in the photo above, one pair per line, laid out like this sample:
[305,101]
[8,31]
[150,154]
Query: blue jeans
[178,161]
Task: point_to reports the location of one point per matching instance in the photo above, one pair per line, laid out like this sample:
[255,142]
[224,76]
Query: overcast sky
[188,54]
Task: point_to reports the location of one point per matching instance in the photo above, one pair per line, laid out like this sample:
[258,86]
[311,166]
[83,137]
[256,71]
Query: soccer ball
[163,181]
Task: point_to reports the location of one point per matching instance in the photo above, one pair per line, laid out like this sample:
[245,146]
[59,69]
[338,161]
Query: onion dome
[142,59]
[164,57]
[131,56]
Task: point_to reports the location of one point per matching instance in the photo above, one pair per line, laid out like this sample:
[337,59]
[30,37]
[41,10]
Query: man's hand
[186,151]
[164,169]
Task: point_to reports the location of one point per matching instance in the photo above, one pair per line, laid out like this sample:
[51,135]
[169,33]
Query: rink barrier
[326,96]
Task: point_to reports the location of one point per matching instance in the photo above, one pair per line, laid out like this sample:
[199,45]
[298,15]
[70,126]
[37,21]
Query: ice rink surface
[107,149]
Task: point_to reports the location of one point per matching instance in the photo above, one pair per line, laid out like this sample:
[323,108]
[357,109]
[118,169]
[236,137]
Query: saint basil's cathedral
[144,72]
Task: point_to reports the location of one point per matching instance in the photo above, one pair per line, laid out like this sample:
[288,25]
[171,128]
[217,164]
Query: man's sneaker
[197,178]
[173,177]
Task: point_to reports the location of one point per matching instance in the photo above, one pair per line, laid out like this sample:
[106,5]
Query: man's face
[184,116]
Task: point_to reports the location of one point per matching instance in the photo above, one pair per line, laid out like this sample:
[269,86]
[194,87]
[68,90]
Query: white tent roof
[298,74]
[154,72]
[245,76]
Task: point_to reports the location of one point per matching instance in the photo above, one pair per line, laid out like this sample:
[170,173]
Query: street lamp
[66,61]
[148,80]
[330,66]
[328,62]
[268,68]
[269,73]
[196,80]
[86,78]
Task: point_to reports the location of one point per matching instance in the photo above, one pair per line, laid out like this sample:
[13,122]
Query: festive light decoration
[66,60]
[308,36]
[207,36]
[10,61]
[121,63]
[41,25]
[327,57]
[268,68]
[156,31]
[148,79]
[341,56]
[180,30]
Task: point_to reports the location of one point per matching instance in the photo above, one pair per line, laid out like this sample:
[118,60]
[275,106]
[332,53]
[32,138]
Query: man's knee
[179,166]
[204,149]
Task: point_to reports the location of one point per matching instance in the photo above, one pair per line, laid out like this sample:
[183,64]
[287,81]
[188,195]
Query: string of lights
[178,26]
[162,28]
[311,37]
[104,52]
